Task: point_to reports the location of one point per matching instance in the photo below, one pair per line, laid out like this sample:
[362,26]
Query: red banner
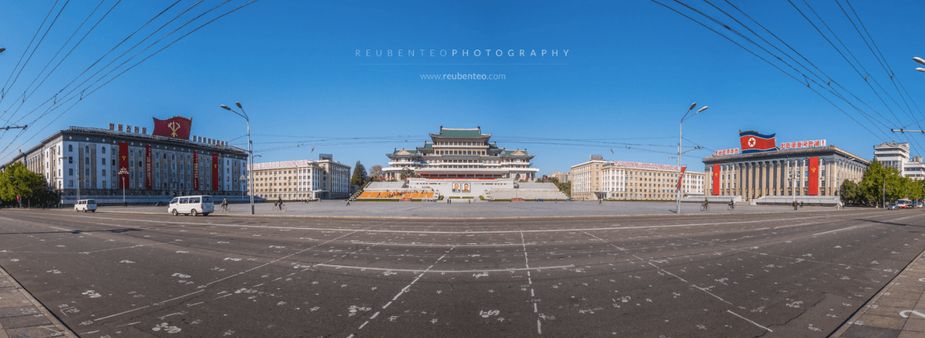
[123,165]
[716,173]
[813,176]
[148,167]
[195,171]
[214,171]
[752,142]
[175,127]
[681,178]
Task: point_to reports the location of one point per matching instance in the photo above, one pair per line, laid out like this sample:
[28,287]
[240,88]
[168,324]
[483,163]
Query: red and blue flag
[755,142]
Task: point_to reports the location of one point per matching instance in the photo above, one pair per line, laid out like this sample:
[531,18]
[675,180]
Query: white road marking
[905,313]
[840,229]
[539,324]
[750,321]
[405,289]
[371,268]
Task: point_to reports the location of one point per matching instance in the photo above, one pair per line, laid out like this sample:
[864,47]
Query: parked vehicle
[85,205]
[904,204]
[191,205]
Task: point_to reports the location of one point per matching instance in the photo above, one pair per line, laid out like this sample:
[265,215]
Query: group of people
[706,205]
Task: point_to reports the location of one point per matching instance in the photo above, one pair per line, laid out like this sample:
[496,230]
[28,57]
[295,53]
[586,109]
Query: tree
[359,177]
[17,180]
[880,184]
[375,173]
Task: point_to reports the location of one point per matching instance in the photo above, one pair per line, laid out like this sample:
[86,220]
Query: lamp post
[250,148]
[921,61]
[684,117]
[123,172]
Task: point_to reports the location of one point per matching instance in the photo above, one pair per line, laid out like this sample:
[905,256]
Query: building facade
[98,163]
[806,171]
[896,155]
[457,153]
[631,181]
[301,180]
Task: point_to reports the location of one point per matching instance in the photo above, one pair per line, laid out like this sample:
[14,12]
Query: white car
[85,205]
[191,205]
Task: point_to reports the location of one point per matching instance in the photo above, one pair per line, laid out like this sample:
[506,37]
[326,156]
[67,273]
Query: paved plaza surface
[783,274]
[357,209]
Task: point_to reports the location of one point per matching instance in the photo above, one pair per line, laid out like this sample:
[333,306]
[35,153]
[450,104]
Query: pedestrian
[794,205]
[225,204]
[279,203]
[348,202]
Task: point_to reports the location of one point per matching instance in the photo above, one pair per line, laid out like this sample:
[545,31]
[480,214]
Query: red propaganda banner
[175,127]
[681,177]
[813,176]
[214,171]
[753,142]
[716,173]
[195,171]
[148,167]
[123,165]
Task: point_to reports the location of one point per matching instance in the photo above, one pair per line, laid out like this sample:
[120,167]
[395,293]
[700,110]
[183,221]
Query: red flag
[681,177]
[195,171]
[214,171]
[753,142]
[123,165]
[716,174]
[813,176]
[175,127]
[148,167]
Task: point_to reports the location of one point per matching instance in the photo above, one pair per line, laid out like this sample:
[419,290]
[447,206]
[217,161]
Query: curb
[62,330]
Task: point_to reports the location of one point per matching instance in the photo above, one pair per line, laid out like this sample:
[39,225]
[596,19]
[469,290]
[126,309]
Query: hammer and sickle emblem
[173,126]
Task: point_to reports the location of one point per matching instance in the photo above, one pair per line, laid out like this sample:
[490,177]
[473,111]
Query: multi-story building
[460,153]
[808,171]
[631,181]
[585,179]
[301,180]
[896,155]
[98,163]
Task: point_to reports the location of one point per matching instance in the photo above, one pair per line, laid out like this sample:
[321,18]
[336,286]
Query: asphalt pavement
[725,275]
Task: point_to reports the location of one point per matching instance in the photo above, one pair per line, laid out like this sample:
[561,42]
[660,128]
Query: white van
[191,205]
[85,205]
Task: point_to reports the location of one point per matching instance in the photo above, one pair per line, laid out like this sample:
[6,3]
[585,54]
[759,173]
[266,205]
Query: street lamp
[2,49]
[684,117]
[123,172]
[250,148]
[920,69]
[921,61]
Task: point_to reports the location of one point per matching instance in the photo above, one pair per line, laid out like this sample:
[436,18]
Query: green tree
[359,177]
[17,180]
[880,184]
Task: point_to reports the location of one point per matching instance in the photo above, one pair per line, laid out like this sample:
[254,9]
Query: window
[70,147]
[70,159]
[104,150]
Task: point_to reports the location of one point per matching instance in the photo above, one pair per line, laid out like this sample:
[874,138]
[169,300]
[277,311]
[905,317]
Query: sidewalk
[21,315]
[898,310]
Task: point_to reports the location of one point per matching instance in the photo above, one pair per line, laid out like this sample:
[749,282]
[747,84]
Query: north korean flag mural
[813,176]
[716,173]
[174,127]
[754,142]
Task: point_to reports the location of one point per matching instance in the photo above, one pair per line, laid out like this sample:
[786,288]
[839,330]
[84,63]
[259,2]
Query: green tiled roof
[461,133]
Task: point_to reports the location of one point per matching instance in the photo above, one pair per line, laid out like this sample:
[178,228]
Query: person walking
[279,203]
[225,204]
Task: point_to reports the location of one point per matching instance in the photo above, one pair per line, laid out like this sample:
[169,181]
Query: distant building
[460,153]
[765,172]
[896,155]
[631,181]
[301,180]
[98,163]
[560,176]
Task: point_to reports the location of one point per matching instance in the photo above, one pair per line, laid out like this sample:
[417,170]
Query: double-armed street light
[921,61]
[684,117]
[250,148]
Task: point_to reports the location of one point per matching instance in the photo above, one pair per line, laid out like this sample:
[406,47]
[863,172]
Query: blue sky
[632,70]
